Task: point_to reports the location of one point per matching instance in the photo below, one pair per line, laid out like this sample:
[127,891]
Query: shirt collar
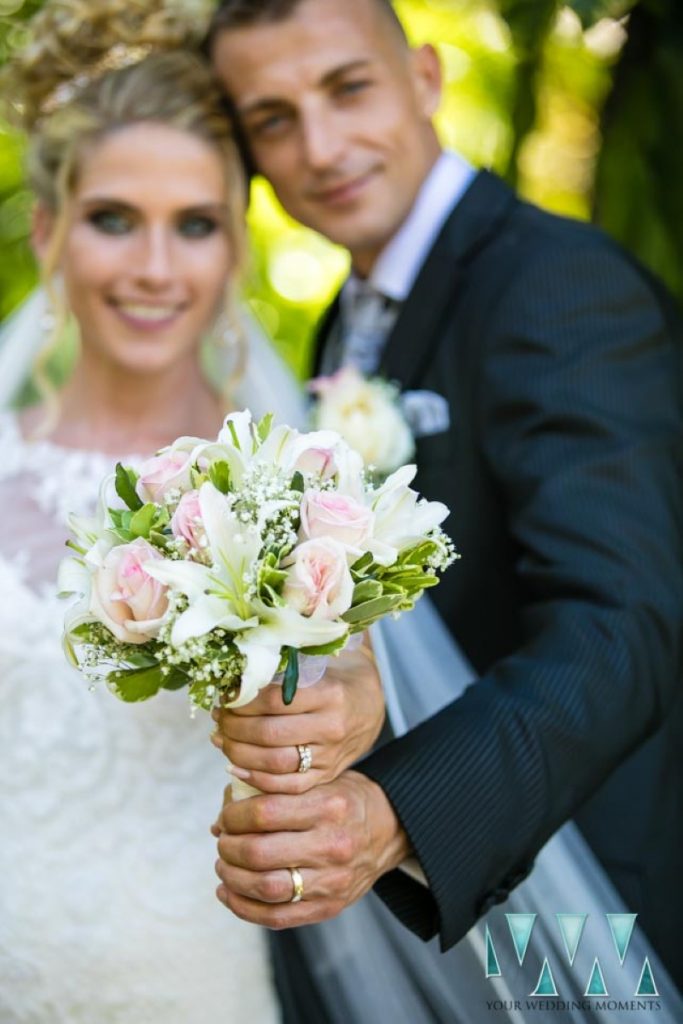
[399,264]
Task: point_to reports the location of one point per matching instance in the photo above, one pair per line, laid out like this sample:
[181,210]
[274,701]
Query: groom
[553,430]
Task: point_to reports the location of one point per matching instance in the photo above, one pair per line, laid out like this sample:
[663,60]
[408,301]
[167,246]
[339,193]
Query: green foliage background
[579,105]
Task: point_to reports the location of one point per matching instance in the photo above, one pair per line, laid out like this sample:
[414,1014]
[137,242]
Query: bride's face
[147,254]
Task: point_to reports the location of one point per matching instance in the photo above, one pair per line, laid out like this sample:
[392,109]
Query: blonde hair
[172,85]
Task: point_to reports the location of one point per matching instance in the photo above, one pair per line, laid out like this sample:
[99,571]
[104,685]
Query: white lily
[86,529]
[96,555]
[237,433]
[89,529]
[217,593]
[401,518]
[213,452]
[260,667]
[277,448]
[283,626]
[278,627]
[75,616]
[73,577]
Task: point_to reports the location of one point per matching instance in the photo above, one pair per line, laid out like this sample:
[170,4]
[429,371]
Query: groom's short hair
[243,13]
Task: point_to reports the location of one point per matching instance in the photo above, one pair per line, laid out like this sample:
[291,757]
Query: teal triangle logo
[621,926]
[492,966]
[646,985]
[545,985]
[596,984]
[571,927]
[521,927]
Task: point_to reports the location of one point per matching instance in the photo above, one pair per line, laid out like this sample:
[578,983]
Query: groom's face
[336,110]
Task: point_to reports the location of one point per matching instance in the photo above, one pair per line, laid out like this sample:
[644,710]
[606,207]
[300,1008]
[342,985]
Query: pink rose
[163,473]
[125,597]
[319,582]
[320,461]
[329,514]
[186,523]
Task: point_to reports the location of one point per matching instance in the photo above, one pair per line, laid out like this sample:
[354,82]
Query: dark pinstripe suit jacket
[561,361]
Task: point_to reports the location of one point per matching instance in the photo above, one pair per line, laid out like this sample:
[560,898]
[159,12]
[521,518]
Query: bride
[107,906]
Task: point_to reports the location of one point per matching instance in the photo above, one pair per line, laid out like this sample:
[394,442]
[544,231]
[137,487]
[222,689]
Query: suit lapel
[475,218]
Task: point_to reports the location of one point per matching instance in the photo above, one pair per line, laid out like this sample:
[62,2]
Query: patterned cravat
[367,320]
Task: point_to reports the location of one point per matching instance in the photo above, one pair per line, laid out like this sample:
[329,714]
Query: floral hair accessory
[119,57]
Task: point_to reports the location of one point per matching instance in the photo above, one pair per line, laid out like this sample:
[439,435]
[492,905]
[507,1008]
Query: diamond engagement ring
[305,757]
[297,885]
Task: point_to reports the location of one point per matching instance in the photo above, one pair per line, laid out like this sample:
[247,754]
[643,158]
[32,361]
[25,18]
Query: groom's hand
[338,720]
[341,836]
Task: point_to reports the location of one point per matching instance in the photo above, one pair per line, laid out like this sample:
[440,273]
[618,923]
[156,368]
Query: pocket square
[426,412]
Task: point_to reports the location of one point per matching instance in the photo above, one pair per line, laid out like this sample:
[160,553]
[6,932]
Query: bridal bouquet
[219,564]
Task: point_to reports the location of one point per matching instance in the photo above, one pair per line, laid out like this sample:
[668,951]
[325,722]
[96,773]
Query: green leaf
[141,659]
[411,584]
[219,475]
[160,540]
[136,684]
[372,610]
[264,427]
[392,587]
[82,632]
[291,680]
[362,565]
[419,555]
[142,521]
[126,480]
[331,648]
[121,518]
[271,580]
[298,483]
[197,478]
[175,680]
[233,433]
[368,590]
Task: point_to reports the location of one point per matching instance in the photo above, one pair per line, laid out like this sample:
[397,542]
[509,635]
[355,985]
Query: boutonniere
[367,414]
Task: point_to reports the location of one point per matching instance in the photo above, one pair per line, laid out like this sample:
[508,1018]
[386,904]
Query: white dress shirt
[400,262]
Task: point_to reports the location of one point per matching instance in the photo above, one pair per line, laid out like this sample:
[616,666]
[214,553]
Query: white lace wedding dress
[107,905]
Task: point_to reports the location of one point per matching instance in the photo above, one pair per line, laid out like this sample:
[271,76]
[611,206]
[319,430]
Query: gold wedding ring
[305,757]
[297,886]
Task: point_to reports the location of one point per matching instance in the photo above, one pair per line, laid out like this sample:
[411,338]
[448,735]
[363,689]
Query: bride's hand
[336,721]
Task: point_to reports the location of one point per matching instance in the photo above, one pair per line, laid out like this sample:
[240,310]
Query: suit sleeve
[580,426]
